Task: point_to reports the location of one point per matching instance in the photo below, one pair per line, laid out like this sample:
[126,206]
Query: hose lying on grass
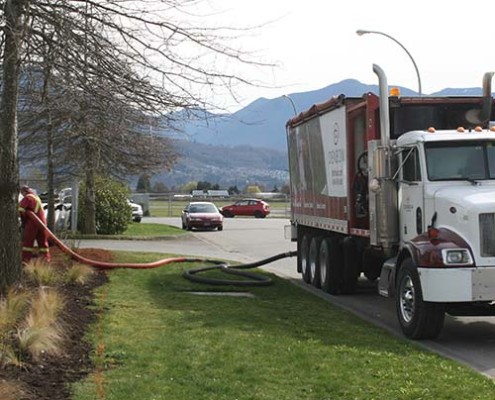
[256,279]
[252,279]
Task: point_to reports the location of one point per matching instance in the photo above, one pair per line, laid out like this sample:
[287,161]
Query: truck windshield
[460,160]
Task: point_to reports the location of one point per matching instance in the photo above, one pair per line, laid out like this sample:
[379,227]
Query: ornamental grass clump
[41,331]
[41,273]
[12,309]
[79,273]
[12,390]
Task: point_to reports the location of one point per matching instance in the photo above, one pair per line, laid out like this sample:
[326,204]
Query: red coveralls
[31,231]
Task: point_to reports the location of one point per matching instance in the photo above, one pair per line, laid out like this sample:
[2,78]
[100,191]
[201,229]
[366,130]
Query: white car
[137,211]
[62,215]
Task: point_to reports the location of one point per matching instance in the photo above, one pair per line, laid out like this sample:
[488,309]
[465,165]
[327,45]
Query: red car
[201,215]
[247,207]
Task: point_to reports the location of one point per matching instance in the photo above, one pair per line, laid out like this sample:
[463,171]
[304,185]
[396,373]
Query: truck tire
[352,260]
[418,319]
[303,253]
[331,265]
[314,262]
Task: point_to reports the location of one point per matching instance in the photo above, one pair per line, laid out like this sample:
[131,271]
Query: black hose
[253,279]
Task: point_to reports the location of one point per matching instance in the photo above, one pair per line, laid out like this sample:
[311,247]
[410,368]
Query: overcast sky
[315,44]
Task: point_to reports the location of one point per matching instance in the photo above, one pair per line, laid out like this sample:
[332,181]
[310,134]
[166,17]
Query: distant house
[198,193]
[218,193]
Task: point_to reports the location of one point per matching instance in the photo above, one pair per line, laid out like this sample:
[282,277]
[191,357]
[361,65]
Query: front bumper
[204,224]
[450,285]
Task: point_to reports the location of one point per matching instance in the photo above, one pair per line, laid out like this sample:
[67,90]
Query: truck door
[411,195]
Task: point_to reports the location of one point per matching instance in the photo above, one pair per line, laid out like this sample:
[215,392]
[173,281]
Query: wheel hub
[407,299]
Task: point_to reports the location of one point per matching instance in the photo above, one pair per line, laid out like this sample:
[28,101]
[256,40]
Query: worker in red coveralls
[31,231]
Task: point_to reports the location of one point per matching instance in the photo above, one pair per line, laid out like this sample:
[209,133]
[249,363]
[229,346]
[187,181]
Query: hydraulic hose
[102,264]
[254,279]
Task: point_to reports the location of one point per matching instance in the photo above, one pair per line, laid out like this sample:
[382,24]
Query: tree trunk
[89,194]
[10,260]
[50,173]
[49,139]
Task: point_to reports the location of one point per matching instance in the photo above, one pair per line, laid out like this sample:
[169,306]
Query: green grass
[140,229]
[163,342]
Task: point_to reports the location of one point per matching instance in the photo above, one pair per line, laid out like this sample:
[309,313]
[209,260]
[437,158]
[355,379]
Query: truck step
[385,285]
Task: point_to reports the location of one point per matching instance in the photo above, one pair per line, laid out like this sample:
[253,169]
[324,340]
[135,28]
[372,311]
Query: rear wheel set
[331,265]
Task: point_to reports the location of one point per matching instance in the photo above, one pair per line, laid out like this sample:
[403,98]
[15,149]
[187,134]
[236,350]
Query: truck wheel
[351,265]
[314,262]
[331,262]
[418,319]
[303,253]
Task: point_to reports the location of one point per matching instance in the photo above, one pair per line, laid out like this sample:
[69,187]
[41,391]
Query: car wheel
[137,219]
[258,214]
[418,319]
[228,214]
[220,228]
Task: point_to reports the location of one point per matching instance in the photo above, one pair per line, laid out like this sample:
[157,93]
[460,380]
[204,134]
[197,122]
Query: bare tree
[9,173]
[123,46]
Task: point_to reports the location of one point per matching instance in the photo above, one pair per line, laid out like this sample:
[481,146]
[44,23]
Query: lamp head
[361,32]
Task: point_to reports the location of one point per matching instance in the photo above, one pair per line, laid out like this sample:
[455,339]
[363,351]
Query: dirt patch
[49,377]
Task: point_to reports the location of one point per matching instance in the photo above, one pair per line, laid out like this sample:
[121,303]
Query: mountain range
[249,145]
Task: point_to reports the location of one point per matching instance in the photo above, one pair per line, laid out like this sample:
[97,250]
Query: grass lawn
[143,230]
[138,231]
[156,339]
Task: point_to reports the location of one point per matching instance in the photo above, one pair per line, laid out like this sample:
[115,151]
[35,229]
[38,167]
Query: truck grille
[487,235]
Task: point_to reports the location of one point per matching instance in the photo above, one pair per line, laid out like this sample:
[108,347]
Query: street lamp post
[291,102]
[361,32]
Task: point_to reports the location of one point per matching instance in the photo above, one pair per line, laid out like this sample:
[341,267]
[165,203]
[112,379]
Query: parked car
[247,207]
[137,211]
[62,215]
[201,215]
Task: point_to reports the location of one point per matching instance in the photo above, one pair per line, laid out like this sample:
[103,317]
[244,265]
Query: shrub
[113,213]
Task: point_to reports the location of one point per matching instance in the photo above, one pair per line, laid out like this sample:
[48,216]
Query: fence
[171,204]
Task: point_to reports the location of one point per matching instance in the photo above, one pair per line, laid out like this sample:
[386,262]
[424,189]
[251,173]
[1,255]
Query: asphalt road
[470,341]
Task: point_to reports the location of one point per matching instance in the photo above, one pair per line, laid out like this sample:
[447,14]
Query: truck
[399,191]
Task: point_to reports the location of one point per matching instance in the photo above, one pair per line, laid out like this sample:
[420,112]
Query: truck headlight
[457,257]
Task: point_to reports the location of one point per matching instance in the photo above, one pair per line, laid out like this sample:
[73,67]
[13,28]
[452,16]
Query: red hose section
[102,264]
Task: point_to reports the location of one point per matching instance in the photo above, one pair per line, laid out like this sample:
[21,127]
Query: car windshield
[202,208]
[460,160]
